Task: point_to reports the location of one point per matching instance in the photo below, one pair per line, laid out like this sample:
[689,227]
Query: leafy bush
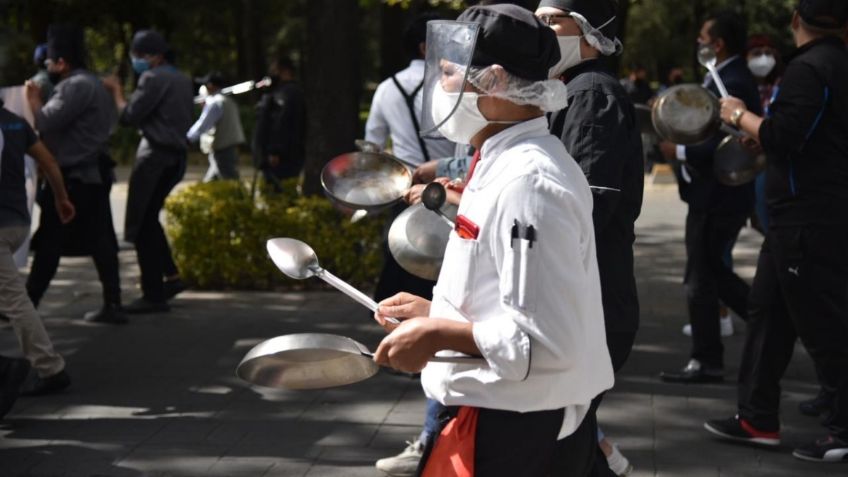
[218,234]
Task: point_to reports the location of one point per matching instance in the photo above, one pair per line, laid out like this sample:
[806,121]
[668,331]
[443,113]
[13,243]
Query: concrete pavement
[158,397]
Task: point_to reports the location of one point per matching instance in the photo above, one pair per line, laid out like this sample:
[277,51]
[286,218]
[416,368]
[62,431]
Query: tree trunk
[331,84]
[621,16]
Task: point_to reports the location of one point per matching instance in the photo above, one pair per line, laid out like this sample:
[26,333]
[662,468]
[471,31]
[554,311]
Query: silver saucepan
[316,361]
[686,114]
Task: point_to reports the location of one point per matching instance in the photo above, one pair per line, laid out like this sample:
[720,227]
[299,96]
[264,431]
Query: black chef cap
[827,14]
[66,42]
[511,36]
[149,42]
[596,12]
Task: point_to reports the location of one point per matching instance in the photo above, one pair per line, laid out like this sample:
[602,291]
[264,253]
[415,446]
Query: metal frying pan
[369,181]
[315,361]
[686,114]
[734,165]
[418,238]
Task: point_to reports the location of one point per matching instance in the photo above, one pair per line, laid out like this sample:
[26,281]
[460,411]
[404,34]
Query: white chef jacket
[537,313]
[389,116]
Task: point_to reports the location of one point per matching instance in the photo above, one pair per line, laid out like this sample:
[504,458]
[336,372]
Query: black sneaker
[110,313]
[693,373]
[740,430]
[13,372]
[143,305]
[829,449]
[38,386]
[818,405]
[173,288]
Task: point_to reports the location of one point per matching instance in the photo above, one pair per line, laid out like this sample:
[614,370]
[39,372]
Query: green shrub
[218,234]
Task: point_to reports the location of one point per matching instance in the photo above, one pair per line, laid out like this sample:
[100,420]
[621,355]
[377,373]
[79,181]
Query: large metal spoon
[434,196]
[707,59]
[297,260]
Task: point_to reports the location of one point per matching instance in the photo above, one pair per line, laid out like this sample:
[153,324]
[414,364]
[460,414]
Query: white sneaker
[618,463]
[404,464]
[725,323]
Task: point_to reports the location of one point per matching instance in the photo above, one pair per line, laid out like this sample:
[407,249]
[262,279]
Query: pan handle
[350,291]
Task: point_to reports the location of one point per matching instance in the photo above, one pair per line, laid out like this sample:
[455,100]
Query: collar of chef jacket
[488,167]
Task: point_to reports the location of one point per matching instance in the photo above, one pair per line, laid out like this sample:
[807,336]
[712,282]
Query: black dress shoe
[693,373]
[173,288]
[818,405]
[143,305]
[110,313]
[37,386]
[13,372]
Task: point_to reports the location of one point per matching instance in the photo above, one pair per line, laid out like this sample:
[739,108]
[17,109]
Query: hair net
[548,95]
[594,36]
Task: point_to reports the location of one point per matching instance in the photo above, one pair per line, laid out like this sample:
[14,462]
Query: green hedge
[218,234]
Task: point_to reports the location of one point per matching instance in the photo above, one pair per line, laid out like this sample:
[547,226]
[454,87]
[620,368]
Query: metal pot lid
[734,165]
[418,238]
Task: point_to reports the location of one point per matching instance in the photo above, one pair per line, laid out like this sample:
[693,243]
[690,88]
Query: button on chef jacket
[536,310]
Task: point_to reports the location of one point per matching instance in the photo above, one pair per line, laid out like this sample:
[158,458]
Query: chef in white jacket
[519,284]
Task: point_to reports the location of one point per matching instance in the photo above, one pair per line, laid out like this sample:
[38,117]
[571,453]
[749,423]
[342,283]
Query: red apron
[453,452]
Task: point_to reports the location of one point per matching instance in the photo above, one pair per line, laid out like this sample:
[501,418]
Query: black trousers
[708,279]
[514,444]
[92,226]
[800,290]
[151,246]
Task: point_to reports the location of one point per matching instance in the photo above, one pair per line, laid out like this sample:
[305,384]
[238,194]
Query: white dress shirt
[535,305]
[390,117]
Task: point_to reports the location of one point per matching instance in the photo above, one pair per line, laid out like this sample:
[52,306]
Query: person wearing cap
[600,130]
[162,108]
[279,139]
[800,286]
[716,212]
[75,124]
[519,284]
[218,130]
[50,375]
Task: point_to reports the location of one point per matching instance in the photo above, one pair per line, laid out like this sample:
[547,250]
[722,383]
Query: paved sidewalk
[158,397]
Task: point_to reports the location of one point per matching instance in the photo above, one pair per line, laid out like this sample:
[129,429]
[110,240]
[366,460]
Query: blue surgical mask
[140,65]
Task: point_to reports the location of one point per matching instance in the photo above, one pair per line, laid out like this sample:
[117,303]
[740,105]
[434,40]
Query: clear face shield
[450,47]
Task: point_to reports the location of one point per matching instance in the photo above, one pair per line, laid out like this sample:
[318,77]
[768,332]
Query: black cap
[828,14]
[66,42]
[597,12]
[511,36]
[148,42]
[213,77]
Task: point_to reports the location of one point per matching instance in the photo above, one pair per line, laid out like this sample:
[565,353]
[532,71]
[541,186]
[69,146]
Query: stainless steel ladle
[707,59]
[434,196]
[297,260]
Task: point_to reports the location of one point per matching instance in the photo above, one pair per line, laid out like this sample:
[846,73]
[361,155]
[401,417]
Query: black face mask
[54,78]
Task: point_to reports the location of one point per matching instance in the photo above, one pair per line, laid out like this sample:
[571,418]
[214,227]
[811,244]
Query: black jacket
[281,129]
[705,194]
[806,139]
[599,129]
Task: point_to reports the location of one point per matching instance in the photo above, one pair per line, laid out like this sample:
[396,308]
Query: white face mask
[761,65]
[465,122]
[569,51]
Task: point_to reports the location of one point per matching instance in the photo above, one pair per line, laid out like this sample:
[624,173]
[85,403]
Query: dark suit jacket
[705,194]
